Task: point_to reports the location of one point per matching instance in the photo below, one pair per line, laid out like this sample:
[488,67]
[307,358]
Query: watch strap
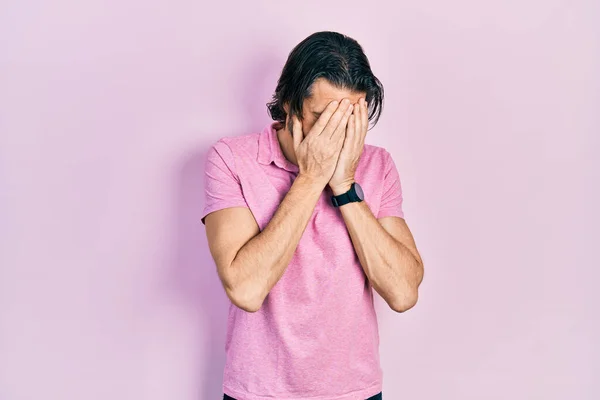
[345,198]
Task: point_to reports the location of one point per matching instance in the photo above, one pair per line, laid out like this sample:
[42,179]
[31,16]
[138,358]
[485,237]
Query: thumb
[297,131]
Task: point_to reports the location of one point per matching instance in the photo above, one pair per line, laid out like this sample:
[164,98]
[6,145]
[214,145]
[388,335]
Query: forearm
[393,270]
[261,262]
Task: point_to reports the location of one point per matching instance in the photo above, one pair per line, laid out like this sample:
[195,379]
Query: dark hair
[330,55]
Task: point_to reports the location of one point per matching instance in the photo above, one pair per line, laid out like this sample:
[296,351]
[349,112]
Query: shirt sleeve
[391,200]
[222,188]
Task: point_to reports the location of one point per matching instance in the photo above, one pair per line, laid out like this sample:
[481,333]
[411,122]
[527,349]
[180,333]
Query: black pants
[376,397]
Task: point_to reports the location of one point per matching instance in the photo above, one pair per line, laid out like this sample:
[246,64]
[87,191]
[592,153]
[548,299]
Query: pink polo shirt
[316,335]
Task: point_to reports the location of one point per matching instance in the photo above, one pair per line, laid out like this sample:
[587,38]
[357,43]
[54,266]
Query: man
[303,220]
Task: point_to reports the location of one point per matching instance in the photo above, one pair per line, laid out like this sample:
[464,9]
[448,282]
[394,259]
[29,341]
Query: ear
[286,107]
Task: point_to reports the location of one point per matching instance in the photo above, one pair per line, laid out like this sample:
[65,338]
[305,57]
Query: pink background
[107,288]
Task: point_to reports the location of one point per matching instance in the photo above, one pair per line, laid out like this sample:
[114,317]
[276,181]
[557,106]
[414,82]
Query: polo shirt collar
[269,150]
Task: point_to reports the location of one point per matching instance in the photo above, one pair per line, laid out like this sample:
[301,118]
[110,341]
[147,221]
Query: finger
[341,128]
[350,129]
[297,131]
[348,138]
[357,123]
[358,115]
[365,126]
[365,116]
[336,118]
[324,118]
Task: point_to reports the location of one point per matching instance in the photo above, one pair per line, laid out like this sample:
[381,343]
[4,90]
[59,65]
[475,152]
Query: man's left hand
[356,131]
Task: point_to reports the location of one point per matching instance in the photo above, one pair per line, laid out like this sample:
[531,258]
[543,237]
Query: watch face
[359,191]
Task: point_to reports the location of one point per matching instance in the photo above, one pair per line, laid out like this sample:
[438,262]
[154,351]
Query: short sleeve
[391,200]
[222,188]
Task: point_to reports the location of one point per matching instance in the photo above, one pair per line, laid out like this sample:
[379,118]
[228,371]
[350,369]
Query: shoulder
[229,153]
[236,144]
[375,156]
[375,164]
[230,148]
[243,142]
[376,151]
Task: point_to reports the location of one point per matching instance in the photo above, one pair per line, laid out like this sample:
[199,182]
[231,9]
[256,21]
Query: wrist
[312,182]
[341,188]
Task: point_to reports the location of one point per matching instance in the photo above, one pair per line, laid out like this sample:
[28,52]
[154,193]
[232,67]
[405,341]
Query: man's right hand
[317,153]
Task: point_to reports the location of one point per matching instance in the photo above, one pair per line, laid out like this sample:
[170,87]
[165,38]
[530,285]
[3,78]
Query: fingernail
[346,101]
[335,103]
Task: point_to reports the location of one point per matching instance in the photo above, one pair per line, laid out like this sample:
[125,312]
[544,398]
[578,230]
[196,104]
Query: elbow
[404,302]
[250,307]
[406,299]
[244,299]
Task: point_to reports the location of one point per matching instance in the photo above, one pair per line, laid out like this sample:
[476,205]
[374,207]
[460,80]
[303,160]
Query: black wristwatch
[354,194]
